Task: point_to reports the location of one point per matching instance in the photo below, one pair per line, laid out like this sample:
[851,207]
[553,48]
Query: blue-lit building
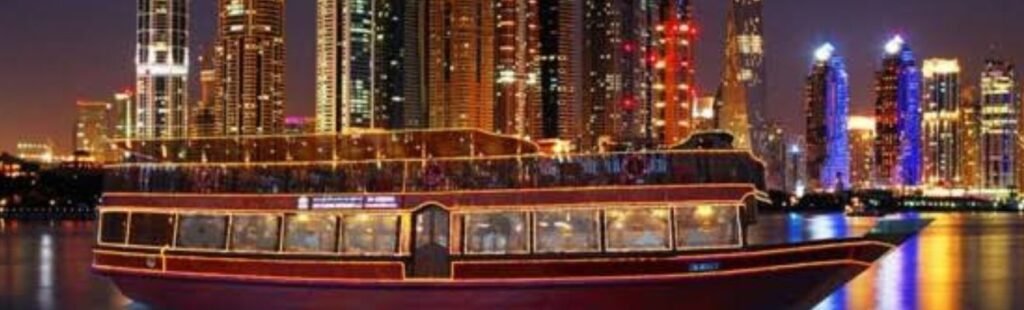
[898,149]
[827,108]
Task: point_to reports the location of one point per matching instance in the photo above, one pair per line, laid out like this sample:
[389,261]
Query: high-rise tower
[92,129]
[345,64]
[943,156]
[970,144]
[161,67]
[398,51]
[516,57]
[617,78]
[250,67]
[204,116]
[743,81]
[673,95]
[898,117]
[862,155]
[828,100]
[460,63]
[554,113]
[1000,112]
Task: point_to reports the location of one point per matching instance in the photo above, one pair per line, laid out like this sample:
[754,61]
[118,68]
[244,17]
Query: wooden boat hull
[779,277]
[773,288]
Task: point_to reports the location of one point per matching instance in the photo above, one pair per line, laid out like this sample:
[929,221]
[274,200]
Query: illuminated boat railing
[651,228]
[667,167]
[400,144]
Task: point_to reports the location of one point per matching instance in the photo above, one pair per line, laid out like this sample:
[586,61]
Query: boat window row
[420,176]
[620,229]
[309,233]
[631,229]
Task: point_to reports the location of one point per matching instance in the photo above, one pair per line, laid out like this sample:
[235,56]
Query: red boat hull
[792,276]
[770,288]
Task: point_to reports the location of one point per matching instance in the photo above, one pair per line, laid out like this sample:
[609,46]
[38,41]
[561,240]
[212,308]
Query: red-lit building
[673,94]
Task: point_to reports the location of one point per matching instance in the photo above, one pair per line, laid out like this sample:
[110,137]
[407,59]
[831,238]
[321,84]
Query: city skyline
[51,114]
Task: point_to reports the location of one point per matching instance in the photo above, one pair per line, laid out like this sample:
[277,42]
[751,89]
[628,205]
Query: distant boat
[453,220]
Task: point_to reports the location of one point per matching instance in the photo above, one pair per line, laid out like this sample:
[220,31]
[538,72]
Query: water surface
[961,261]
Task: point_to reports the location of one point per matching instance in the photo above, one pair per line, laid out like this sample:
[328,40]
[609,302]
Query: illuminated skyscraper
[124,114]
[862,155]
[91,133]
[555,112]
[827,108]
[617,77]
[161,67]
[345,64]
[204,115]
[516,59]
[743,81]
[796,166]
[250,67]
[460,63]
[943,156]
[898,117]
[398,52]
[673,93]
[775,156]
[1000,113]
[970,144]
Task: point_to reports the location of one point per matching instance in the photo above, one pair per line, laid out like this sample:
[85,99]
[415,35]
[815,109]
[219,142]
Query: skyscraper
[617,77]
[673,93]
[943,156]
[744,75]
[345,65]
[898,117]
[398,53]
[1000,113]
[161,67]
[91,130]
[775,156]
[862,155]
[460,63]
[204,115]
[970,144]
[516,63]
[250,67]
[827,108]
[555,112]
[124,114]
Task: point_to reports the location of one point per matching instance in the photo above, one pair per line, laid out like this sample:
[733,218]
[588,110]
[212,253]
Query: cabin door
[430,254]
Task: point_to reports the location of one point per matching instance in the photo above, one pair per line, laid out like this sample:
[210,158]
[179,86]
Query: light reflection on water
[961,261]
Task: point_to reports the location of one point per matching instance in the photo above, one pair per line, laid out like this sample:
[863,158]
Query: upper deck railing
[402,162]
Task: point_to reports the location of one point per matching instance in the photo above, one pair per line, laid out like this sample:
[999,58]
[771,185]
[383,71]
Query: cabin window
[115,227]
[311,233]
[370,234]
[706,226]
[567,231]
[255,232]
[497,233]
[151,229]
[202,231]
[637,229]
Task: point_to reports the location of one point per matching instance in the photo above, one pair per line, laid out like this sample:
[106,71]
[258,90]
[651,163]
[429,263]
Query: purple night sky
[55,52]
